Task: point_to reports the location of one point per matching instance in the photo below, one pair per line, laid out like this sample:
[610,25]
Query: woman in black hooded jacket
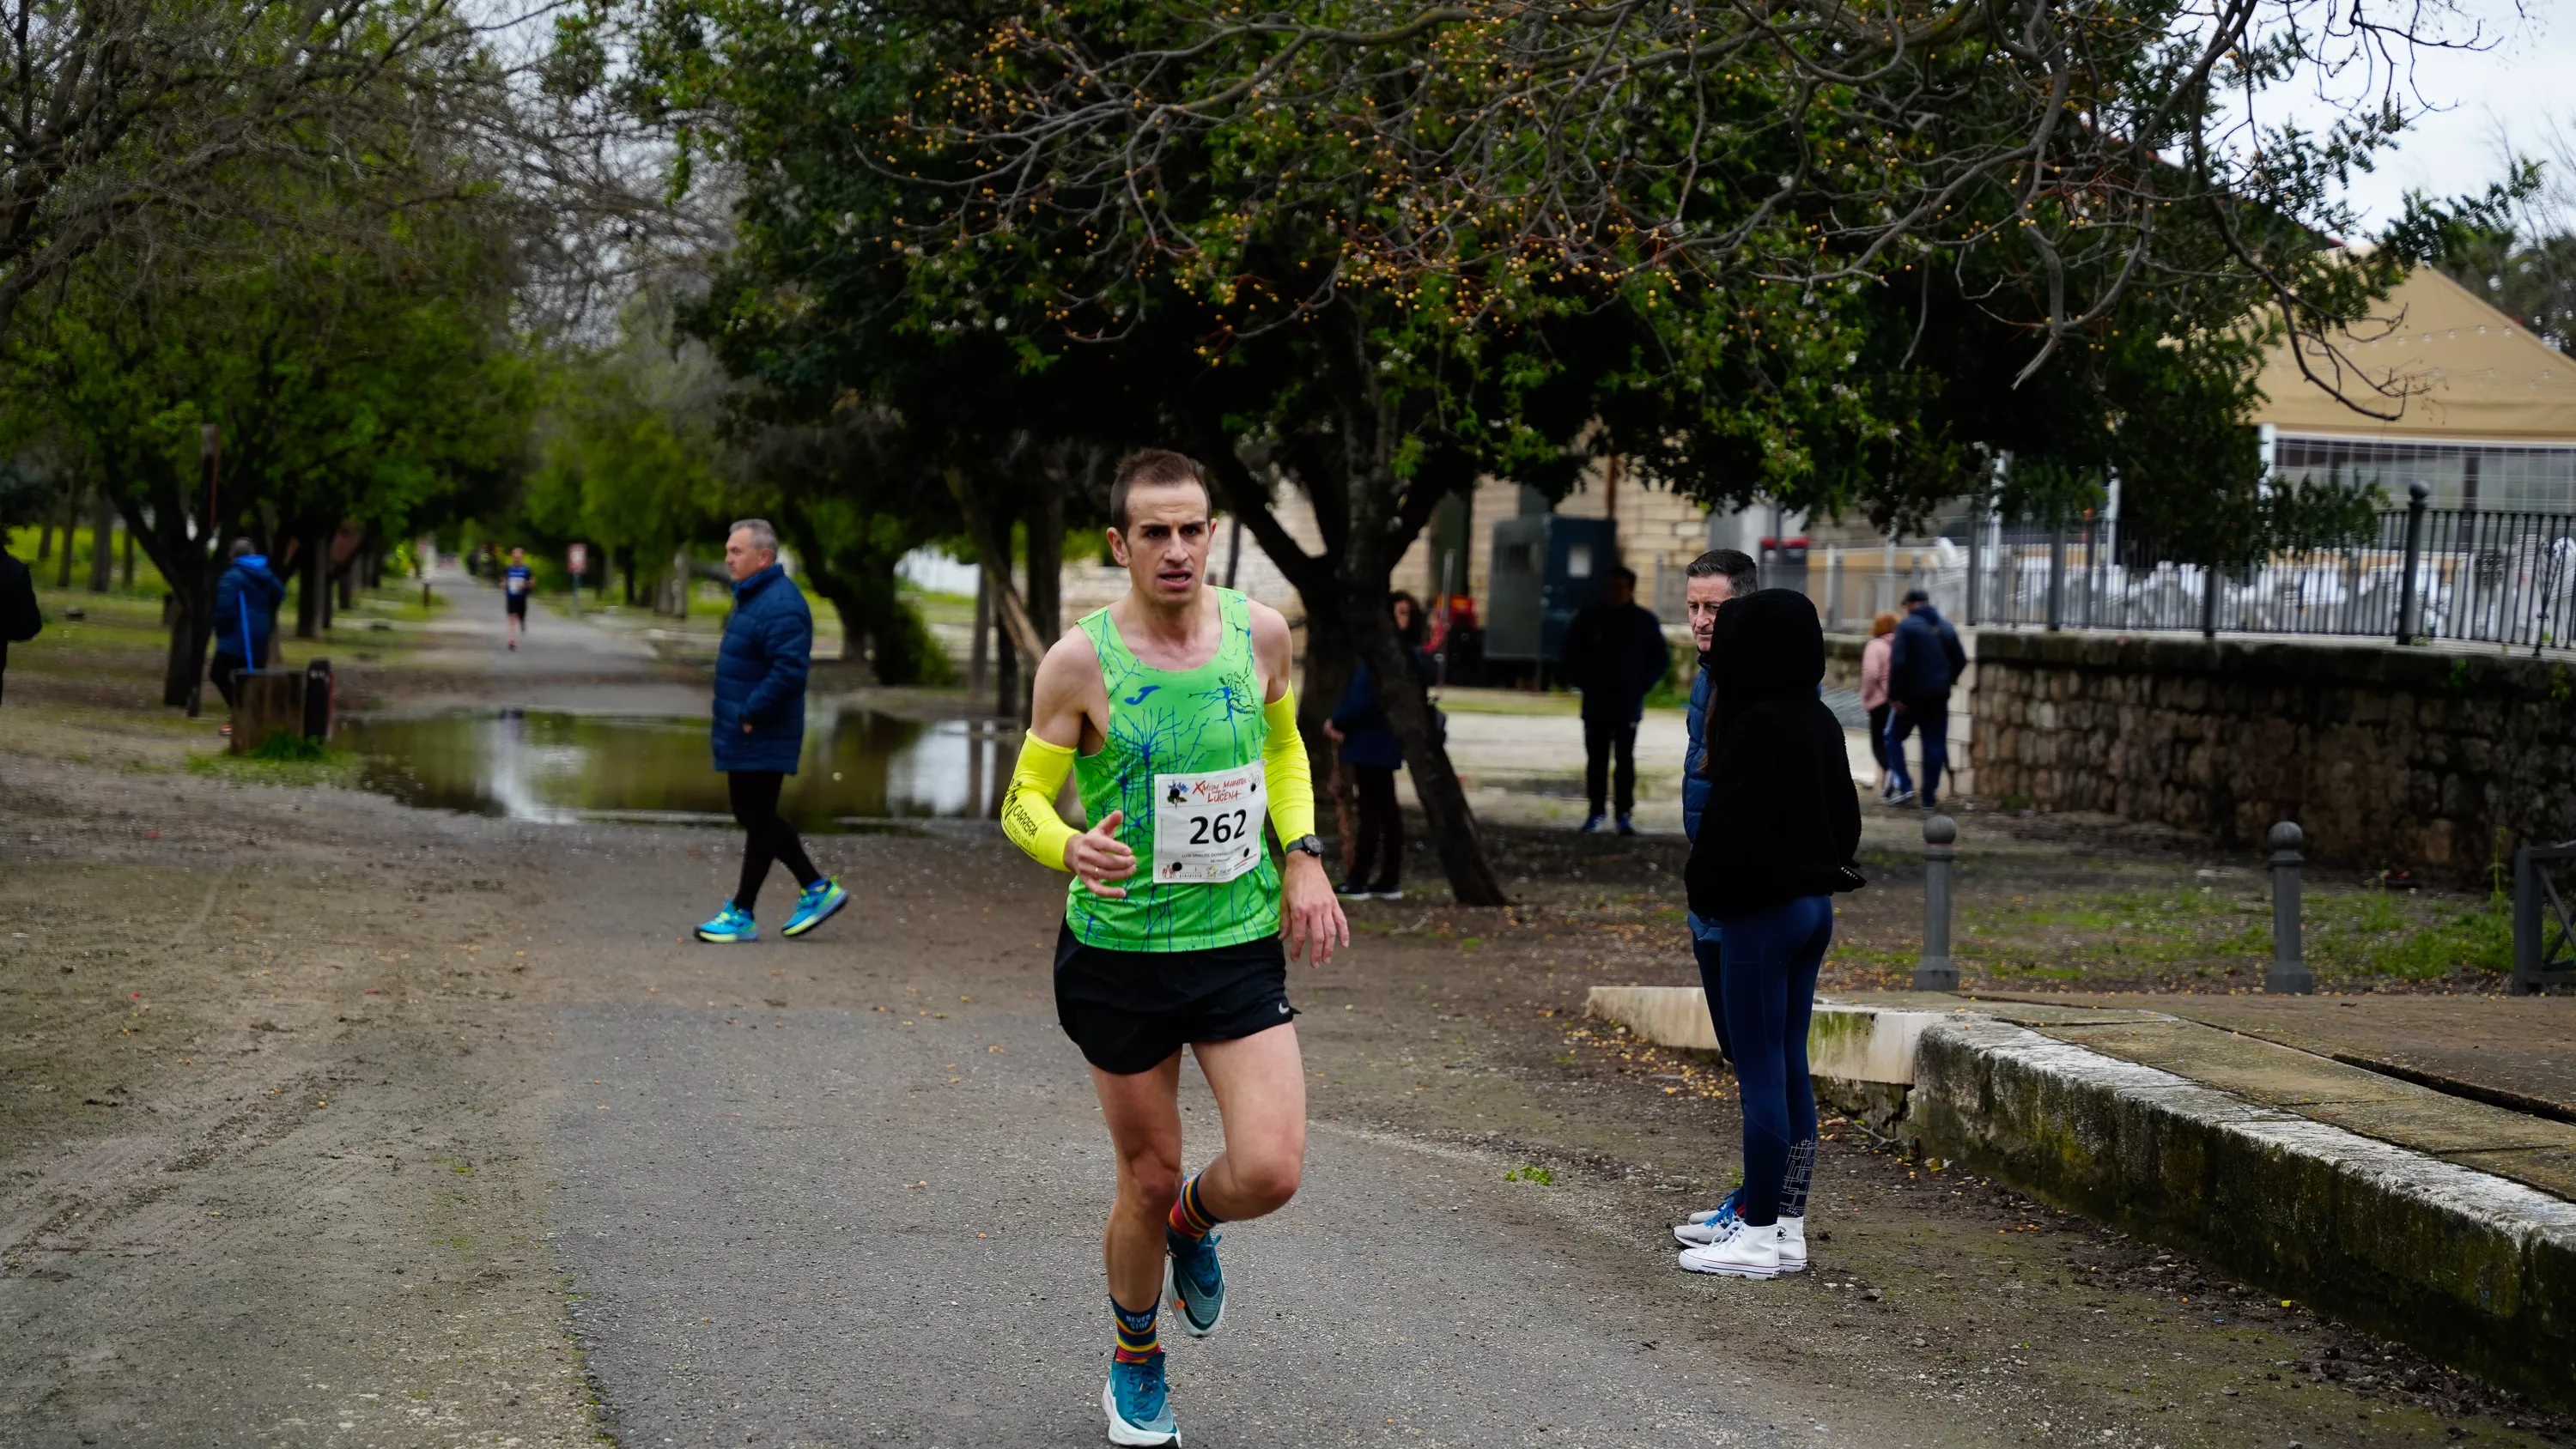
[1776,842]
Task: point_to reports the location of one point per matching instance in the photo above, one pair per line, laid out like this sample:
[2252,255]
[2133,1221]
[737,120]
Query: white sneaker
[1746,1252]
[1701,1229]
[1791,1237]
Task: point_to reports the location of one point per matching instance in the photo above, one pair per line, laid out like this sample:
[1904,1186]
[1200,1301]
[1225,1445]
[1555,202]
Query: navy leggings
[1770,986]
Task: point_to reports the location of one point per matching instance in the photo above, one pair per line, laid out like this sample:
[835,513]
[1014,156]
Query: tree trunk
[129,557]
[102,529]
[310,581]
[44,538]
[187,657]
[979,650]
[626,574]
[71,522]
[993,548]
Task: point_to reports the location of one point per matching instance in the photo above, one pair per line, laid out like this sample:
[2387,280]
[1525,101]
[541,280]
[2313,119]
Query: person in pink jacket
[1874,658]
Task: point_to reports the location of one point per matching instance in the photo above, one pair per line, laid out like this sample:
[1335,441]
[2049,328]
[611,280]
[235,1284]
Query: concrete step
[2442,1221]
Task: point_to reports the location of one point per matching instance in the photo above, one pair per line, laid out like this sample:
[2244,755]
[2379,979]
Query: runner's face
[1165,542]
[1703,596]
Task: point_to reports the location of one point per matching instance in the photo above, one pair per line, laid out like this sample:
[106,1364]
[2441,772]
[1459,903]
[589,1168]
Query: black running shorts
[517,604]
[1130,1010]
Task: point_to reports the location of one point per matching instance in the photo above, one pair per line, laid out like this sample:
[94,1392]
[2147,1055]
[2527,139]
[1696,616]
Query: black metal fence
[2475,575]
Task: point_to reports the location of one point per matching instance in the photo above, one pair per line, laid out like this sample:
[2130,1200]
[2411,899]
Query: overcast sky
[2527,80]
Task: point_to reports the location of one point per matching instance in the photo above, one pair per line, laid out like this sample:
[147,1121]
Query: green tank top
[1172,722]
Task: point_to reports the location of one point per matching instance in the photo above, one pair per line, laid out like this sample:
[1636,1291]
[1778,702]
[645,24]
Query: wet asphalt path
[843,1228]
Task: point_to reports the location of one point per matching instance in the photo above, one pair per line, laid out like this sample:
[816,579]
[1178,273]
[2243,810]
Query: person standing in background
[1873,690]
[1924,660]
[1712,579]
[245,622]
[759,731]
[1785,826]
[1615,653]
[514,594]
[1370,752]
[20,619]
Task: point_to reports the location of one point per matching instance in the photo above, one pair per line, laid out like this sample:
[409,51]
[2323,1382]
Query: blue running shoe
[1706,1228]
[1139,1403]
[732,925]
[815,907]
[1195,1282]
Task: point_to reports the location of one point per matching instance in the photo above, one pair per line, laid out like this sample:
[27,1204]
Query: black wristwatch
[1311,844]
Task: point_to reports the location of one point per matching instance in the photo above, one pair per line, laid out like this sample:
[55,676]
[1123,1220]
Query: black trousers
[767,836]
[1381,829]
[1878,735]
[1603,739]
[221,670]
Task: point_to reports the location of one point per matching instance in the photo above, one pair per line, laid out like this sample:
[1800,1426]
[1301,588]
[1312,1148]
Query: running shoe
[1901,797]
[1389,893]
[1592,823]
[1139,1403]
[1744,1252]
[1702,1229]
[1627,826]
[1195,1282]
[731,926]
[815,906]
[1352,891]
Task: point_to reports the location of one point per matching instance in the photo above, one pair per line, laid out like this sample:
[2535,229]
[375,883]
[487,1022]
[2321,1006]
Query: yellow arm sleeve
[1028,807]
[1283,765]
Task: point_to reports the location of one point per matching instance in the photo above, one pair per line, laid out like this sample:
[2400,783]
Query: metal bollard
[1935,971]
[2289,973]
[2416,496]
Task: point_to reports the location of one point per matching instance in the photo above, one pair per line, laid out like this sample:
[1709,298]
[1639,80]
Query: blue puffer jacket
[246,600]
[1925,659]
[760,674]
[1695,755]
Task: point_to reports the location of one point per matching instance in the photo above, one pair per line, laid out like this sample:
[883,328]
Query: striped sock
[1190,1217]
[1140,1335]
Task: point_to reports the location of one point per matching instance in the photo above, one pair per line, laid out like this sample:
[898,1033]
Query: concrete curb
[2476,1269]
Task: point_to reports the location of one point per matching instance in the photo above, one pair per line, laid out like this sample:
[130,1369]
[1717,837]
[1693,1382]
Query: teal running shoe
[1195,1282]
[1139,1403]
[731,926]
[815,907]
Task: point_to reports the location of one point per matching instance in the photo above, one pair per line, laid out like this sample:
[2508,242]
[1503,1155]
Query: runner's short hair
[762,535]
[1741,576]
[243,548]
[1151,468]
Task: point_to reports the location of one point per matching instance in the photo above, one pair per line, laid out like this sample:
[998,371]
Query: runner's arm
[1028,807]
[1058,709]
[1284,767]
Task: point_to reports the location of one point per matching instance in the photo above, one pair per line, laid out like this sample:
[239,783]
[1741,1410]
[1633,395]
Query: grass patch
[284,758]
[1540,1175]
[2205,931]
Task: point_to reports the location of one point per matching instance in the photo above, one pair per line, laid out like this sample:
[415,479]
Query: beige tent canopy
[2489,419]
[2485,376]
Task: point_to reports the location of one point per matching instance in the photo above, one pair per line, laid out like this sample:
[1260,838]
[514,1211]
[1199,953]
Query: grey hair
[762,535]
[1742,577]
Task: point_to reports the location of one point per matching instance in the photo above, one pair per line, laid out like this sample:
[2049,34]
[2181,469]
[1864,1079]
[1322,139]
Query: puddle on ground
[861,770]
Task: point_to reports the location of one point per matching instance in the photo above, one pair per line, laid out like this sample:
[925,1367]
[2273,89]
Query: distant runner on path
[1176,698]
[759,731]
[514,594]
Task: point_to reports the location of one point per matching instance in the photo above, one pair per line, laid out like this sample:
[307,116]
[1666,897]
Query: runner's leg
[1260,1086]
[1144,1113]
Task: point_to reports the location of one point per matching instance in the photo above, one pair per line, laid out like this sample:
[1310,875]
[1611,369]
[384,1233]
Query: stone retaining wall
[2387,757]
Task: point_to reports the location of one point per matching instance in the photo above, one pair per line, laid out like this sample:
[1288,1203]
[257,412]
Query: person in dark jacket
[245,622]
[1781,827]
[20,619]
[1922,665]
[1711,580]
[759,731]
[1614,652]
[1368,749]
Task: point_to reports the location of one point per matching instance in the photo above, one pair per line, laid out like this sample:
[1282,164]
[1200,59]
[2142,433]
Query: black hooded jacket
[1782,820]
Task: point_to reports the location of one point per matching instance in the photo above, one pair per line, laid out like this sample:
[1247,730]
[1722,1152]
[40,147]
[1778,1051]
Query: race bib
[1207,827]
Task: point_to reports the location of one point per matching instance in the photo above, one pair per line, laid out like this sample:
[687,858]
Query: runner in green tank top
[1172,709]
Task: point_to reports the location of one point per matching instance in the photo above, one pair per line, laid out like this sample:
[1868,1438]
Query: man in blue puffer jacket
[246,600]
[760,730]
